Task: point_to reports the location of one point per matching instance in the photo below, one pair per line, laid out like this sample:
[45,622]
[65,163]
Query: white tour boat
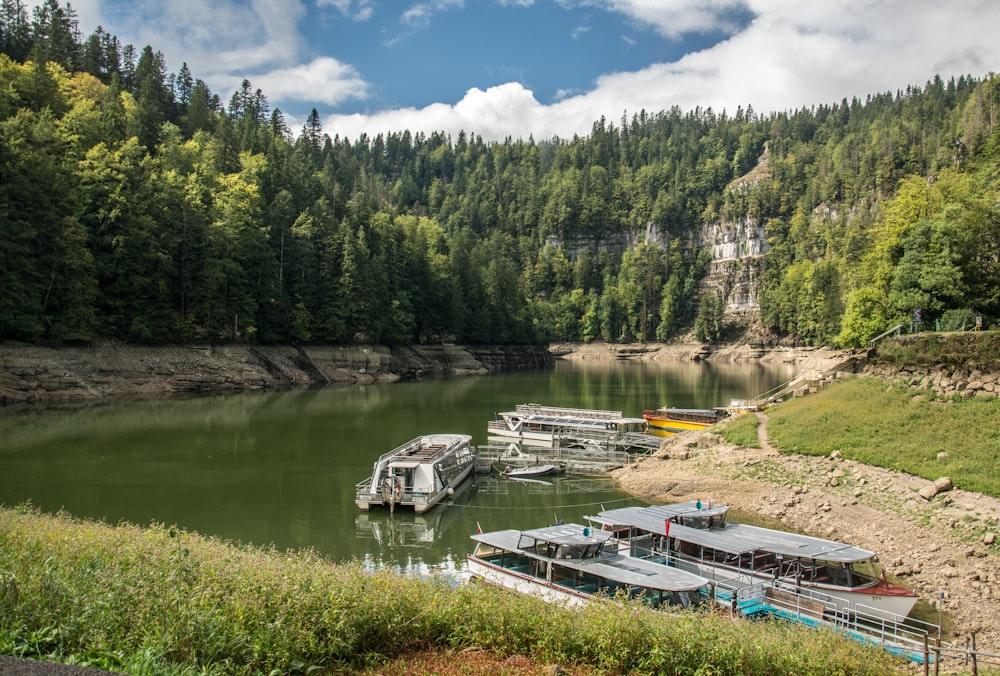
[698,538]
[419,474]
[552,427]
[567,564]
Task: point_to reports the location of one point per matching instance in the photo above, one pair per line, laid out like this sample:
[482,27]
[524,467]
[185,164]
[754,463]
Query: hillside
[139,207]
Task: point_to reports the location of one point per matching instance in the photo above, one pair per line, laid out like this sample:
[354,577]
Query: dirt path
[765,446]
[946,545]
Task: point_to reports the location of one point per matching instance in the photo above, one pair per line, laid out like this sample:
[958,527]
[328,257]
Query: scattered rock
[925,543]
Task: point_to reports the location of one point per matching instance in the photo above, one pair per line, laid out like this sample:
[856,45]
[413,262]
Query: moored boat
[666,421]
[567,563]
[699,539]
[551,427]
[533,470]
[419,474]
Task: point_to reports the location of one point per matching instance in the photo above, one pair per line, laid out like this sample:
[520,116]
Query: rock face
[739,247]
[34,375]
[941,381]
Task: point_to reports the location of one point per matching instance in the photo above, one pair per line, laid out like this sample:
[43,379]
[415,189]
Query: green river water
[280,468]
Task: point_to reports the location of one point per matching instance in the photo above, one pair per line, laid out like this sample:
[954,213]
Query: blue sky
[548,68]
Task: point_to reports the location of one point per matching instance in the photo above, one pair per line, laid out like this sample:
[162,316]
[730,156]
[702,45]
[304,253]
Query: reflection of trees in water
[404,528]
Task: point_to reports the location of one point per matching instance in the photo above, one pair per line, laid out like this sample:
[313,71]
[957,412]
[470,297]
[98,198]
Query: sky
[546,68]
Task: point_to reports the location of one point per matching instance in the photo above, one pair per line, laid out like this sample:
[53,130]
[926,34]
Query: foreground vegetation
[889,425]
[160,601]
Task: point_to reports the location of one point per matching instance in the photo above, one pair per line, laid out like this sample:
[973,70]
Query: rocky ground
[946,544]
[36,375]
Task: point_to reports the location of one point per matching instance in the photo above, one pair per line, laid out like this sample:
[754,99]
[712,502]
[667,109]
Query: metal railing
[741,593]
[897,329]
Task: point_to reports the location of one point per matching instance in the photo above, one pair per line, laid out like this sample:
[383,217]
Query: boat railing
[586,413]
[577,460]
[888,628]
[496,426]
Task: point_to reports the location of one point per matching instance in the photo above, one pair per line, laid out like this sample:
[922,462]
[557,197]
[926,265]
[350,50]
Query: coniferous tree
[15,30]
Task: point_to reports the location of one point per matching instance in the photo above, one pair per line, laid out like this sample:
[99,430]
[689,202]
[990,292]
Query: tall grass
[885,425]
[740,430]
[160,601]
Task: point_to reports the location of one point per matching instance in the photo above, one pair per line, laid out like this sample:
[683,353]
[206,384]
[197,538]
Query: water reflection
[280,468]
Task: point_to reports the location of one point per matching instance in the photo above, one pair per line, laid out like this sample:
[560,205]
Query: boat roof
[426,448]
[734,538]
[621,569]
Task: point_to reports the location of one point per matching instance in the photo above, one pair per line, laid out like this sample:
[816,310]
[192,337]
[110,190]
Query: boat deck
[423,452]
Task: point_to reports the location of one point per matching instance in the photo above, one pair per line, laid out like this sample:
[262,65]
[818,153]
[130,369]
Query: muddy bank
[46,376]
[37,375]
[942,545]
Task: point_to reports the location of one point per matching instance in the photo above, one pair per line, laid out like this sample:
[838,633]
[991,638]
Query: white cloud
[216,38]
[323,80]
[419,14]
[791,55]
[675,18]
[358,10]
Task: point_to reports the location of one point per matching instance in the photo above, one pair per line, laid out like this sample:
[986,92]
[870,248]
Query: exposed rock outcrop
[940,381]
[36,375]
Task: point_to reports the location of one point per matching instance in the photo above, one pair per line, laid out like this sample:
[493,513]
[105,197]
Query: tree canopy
[135,205]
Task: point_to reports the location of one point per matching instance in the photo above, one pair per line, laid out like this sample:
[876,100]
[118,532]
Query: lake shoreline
[46,376]
[56,376]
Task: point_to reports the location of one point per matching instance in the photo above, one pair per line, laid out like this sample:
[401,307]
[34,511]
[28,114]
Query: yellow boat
[666,421]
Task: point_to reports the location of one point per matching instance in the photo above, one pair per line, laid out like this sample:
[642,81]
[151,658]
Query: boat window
[703,521]
[565,577]
[829,572]
[865,572]
[570,552]
[485,551]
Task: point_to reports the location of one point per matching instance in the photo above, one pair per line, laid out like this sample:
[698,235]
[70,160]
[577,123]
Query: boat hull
[666,427]
[668,421]
[883,601]
[419,474]
[524,584]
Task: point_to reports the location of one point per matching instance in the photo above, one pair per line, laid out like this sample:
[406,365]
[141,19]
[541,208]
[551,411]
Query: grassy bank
[971,350]
[159,601]
[885,425]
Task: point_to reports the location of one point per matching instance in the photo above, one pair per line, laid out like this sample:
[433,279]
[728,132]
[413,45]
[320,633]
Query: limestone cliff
[738,246]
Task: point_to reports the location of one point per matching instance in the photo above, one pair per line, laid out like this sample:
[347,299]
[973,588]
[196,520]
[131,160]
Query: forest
[137,205]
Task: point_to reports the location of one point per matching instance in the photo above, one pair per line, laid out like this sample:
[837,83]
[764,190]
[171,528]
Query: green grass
[885,425]
[740,430]
[159,601]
